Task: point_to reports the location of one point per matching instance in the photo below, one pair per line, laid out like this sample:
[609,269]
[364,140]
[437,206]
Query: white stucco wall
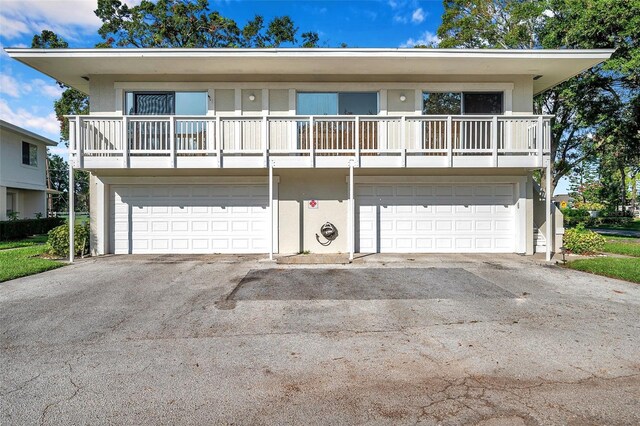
[12,172]
[27,183]
[107,90]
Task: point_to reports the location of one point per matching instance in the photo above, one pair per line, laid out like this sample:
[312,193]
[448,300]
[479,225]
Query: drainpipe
[270,210]
[550,237]
[352,221]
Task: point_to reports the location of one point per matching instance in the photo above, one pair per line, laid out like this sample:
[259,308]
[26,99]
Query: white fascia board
[76,66]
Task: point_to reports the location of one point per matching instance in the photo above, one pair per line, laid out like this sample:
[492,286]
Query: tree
[586,108]
[59,177]
[190,23]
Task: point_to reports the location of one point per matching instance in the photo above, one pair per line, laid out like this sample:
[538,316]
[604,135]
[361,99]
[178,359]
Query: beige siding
[104,98]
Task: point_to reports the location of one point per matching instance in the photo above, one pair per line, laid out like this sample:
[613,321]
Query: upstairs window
[456,103]
[29,154]
[341,103]
[166,103]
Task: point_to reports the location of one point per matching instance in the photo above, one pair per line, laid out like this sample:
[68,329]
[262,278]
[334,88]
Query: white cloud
[418,16]
[427,38]
[15,88]
[393,4]
[59,149]
[40,86]
[400,19]
[23,118]
[69,18]
[9,86]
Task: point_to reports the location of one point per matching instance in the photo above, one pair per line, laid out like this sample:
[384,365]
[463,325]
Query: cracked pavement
[161,340]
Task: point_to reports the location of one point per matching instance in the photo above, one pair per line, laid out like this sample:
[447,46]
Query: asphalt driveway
[388,340]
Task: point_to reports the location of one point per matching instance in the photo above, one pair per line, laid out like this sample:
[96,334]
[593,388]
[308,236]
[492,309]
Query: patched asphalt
[365,284]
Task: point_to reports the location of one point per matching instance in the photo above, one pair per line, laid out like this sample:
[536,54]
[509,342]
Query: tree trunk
[623,198]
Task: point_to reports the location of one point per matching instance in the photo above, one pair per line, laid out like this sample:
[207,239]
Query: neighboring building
[442,146]
[563,200]
[23,156]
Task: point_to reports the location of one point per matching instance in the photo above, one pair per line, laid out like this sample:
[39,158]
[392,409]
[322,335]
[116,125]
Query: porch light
[252,97]
[403,98]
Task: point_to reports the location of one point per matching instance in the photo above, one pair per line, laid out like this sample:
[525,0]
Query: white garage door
[452,218]
[189,219]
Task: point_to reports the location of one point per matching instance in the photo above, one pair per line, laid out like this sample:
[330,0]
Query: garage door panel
[437,218]
[190,219]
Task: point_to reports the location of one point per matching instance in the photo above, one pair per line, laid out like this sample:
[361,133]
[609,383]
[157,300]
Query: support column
[270,209]
[71,219]
[549,229]
[352,221]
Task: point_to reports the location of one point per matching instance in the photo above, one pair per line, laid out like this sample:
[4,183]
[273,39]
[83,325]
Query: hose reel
[329,232]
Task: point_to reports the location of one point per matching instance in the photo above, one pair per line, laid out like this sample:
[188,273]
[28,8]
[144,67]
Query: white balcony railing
[309,141]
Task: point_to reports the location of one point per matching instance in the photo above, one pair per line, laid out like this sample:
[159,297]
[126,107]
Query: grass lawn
[633,226]
[27,242]
[620,245]
[627,269]
[23,261]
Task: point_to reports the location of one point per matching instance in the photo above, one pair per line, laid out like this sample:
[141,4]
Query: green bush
[582,241]
[22,228]
[58,242]
[573,217]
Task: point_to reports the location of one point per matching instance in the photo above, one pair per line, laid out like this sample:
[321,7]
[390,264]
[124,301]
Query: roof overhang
[75,67]
[25,132]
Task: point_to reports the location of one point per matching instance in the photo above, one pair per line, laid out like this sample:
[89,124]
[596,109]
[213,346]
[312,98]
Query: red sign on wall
[313,204]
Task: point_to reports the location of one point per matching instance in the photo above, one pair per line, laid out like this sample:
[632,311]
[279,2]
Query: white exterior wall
[233,98]
[298,224]
[28,183]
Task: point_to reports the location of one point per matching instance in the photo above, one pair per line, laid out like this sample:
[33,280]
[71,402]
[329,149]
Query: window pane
[33,155]
[191,103]
[357,103]
[128,104]
[483,103]
[317,104]
[153,103]
[441,103]
[25,153]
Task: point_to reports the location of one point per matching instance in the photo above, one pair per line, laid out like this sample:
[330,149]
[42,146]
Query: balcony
[99,142]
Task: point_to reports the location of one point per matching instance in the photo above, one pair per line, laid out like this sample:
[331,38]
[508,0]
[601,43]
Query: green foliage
[21,262]
[622,268]
[72,102]
[59,176]
[573,217]
[27,242]
[582,241]
[58,241]
[625,246]
[189,23]
[21,228]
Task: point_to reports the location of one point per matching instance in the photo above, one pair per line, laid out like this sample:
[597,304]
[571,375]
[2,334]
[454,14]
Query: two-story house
[325,150]
[23,156]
